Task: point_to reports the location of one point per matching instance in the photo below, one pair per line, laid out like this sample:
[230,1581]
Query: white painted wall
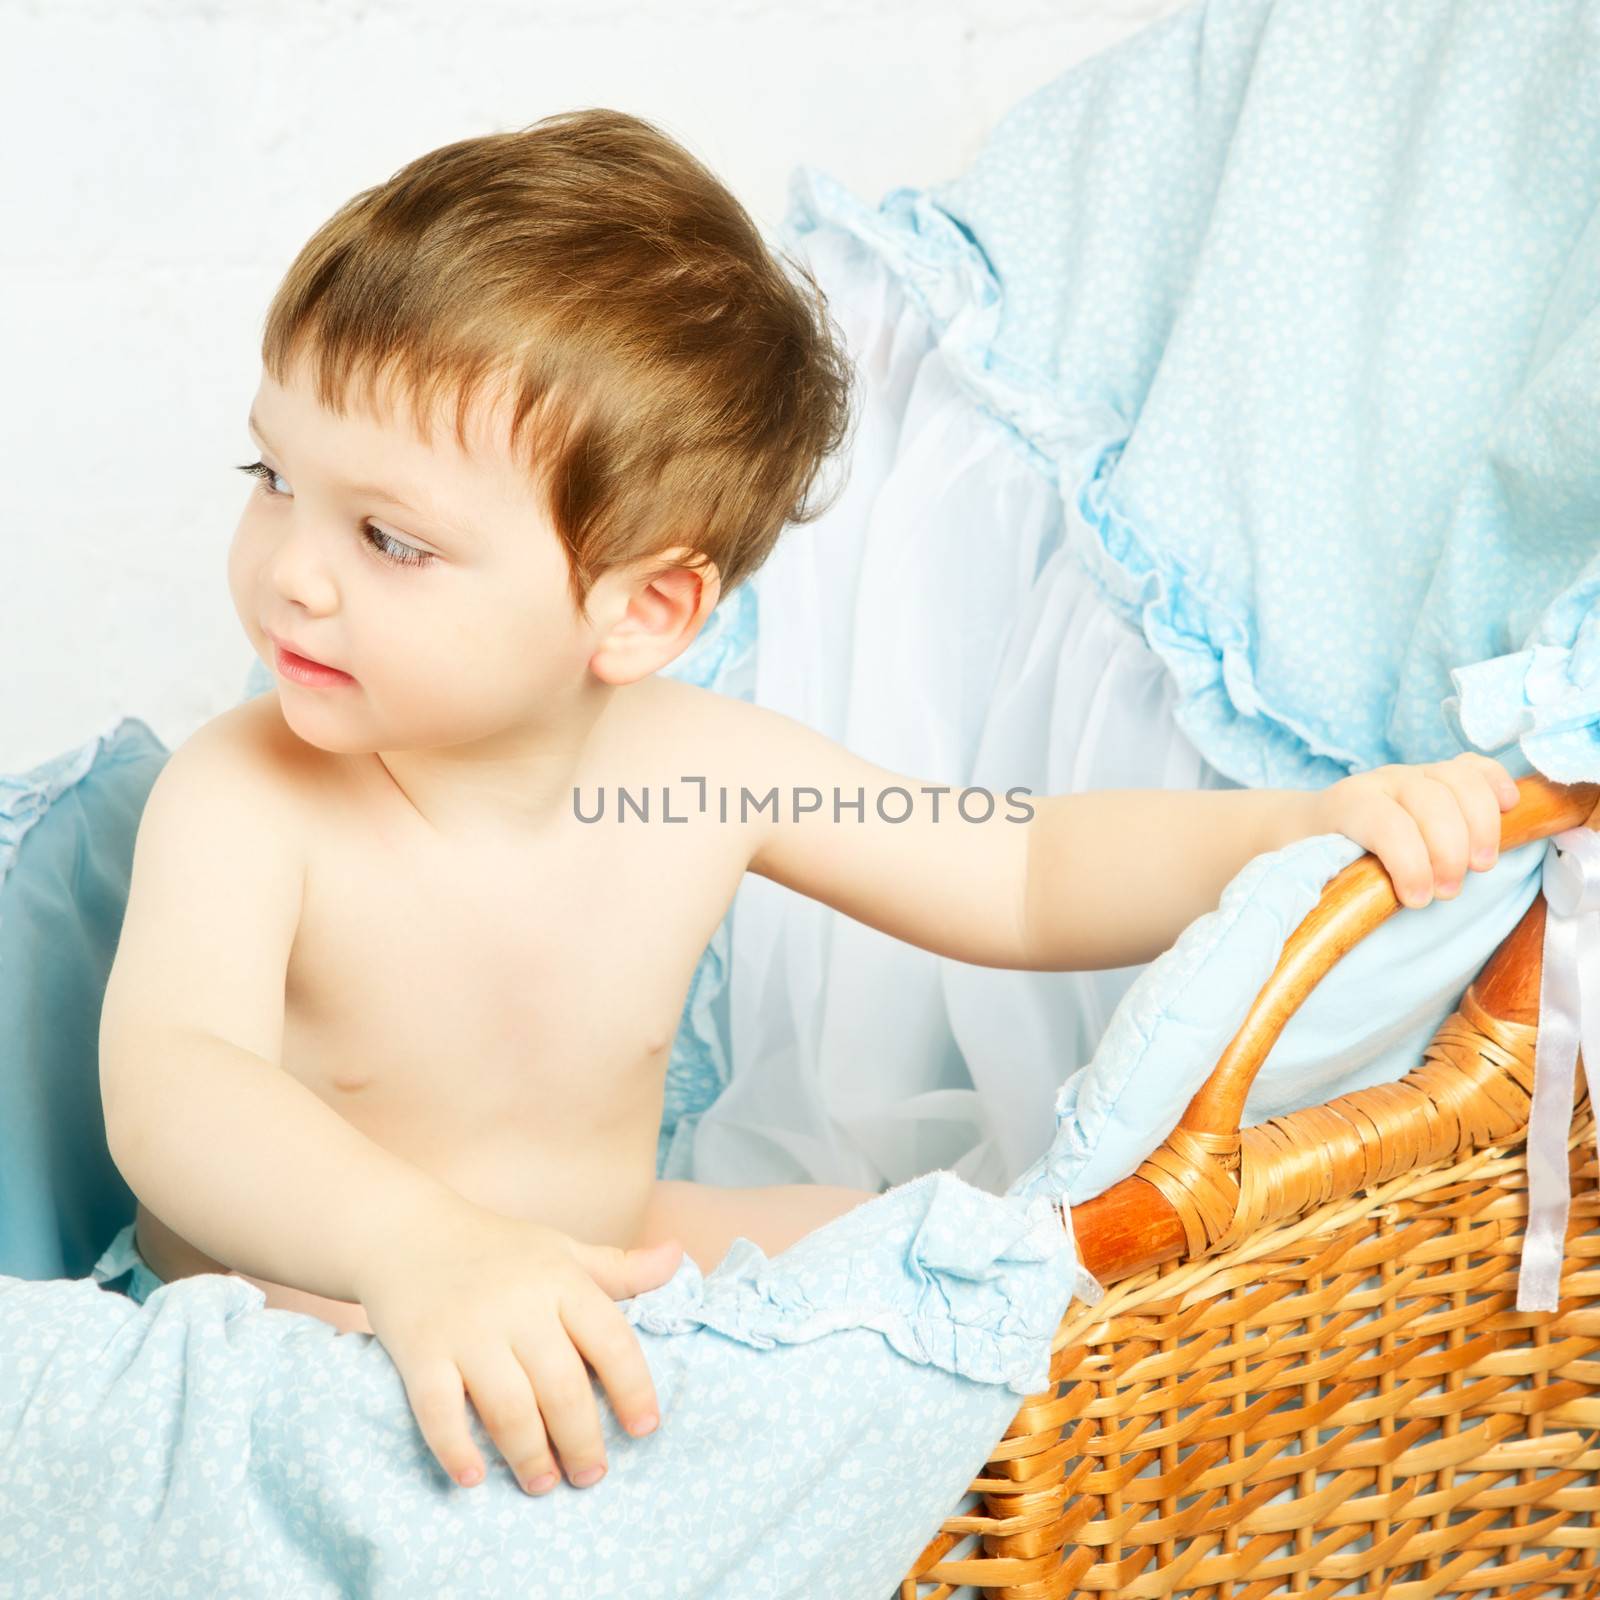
[165,159]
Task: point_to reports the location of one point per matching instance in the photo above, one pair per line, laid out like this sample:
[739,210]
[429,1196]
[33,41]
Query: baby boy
[388,1024]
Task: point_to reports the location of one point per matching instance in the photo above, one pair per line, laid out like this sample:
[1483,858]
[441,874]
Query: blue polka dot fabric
[822,1411]
[1296,302]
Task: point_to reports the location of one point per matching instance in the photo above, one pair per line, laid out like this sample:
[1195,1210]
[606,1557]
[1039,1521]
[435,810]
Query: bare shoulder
[215,893]
[722,758]
[251,744]
[722,716]
[730,739]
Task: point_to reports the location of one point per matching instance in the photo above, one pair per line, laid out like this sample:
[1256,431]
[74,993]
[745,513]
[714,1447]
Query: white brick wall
[164,159]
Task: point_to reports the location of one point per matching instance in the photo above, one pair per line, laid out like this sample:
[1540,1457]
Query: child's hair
[672,384]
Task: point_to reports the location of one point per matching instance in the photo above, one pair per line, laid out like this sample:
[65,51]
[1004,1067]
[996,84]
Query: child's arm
[1141,864]
[1107,878]
[233,1153]
[244,1161]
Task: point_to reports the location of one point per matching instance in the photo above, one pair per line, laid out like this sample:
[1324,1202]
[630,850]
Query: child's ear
[665,604]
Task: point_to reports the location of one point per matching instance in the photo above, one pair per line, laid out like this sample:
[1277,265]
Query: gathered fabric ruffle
[951,1276]
[1544,699]
[1323,453]
[26,796]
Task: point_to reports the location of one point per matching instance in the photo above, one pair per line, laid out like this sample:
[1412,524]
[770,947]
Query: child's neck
[515,783]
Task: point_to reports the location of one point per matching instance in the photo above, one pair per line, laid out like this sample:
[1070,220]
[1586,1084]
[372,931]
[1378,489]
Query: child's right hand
[505,1311]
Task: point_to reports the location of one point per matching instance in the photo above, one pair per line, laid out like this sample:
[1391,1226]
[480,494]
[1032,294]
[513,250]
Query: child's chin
[324,729]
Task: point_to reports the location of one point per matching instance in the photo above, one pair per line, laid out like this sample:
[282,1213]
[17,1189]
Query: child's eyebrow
[419,504]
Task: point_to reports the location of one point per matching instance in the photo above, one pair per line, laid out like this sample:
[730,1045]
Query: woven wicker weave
[1308,1375]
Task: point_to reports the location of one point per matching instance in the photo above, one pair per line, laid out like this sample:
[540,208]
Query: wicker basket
[1308,1375]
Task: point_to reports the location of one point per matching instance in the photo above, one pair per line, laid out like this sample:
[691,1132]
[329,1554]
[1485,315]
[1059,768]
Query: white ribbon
[1569,1011]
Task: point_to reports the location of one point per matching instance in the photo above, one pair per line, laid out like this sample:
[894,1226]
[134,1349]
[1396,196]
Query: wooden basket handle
[1132,1224]
[1353,903]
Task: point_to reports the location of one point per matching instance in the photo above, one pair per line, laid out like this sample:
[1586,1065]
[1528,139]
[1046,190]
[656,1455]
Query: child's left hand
[1426,822]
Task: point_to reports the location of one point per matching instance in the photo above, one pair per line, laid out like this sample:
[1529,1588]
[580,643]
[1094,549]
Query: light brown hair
[673,383]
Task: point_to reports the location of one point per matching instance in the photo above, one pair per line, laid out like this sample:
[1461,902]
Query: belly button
[350,1085]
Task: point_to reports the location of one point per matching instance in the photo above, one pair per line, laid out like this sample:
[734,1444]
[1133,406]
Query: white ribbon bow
[1569,1010]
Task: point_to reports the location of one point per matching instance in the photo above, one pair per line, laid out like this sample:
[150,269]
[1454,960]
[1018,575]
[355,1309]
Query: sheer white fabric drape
[936,621]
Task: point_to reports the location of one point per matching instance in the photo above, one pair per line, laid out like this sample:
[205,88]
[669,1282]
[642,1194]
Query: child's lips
[305,669]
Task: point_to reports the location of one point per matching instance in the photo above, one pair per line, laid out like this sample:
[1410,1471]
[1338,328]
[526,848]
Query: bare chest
[504,1019]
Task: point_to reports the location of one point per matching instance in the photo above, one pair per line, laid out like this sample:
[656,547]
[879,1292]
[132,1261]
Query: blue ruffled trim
[121,1258]
[1208,648]
[951,1276]
[26,796]
[1545,698]
[946,274]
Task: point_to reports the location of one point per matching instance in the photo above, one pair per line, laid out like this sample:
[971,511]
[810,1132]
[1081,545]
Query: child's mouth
[299,670]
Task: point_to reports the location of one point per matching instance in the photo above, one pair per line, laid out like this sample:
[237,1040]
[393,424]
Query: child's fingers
[622,1274]
[1382,824]
[1435,814]
[502,1393]
[1478,796]
[609,1344]
[567,1398]
[438,1401]
[1500,780]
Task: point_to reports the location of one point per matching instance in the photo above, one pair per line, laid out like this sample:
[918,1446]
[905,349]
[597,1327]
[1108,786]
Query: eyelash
[383,545]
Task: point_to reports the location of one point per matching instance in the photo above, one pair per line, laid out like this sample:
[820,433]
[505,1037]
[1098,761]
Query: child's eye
[405,555]
[259,469]
[391,549]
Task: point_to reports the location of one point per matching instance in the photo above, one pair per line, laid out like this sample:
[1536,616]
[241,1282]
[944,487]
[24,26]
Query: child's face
[432,577]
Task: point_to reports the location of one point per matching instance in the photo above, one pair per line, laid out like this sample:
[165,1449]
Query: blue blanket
[201,1438]
[1297,302]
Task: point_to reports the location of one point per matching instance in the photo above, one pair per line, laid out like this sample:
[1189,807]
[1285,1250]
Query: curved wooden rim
[1132,1225]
